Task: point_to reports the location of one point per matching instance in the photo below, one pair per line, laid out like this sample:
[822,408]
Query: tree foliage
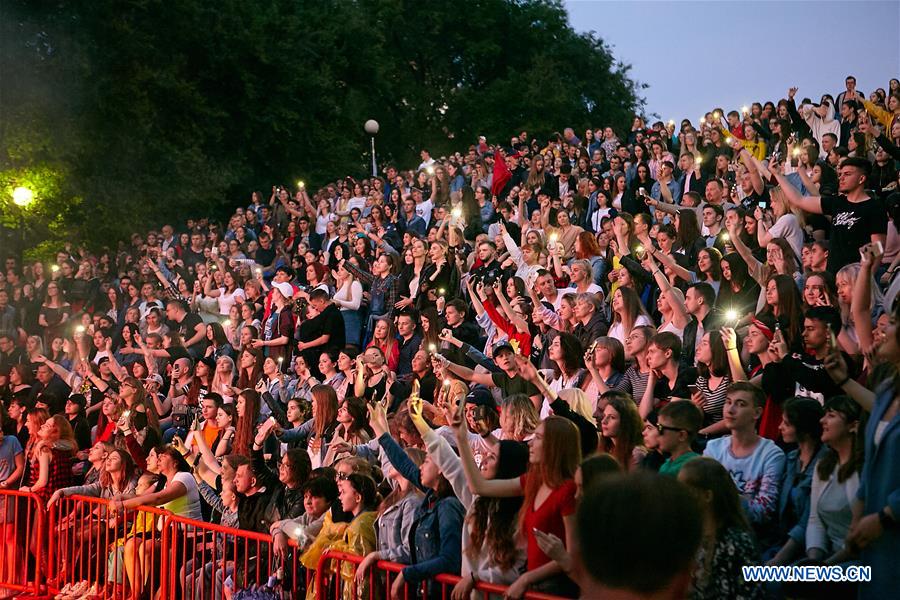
[140,111]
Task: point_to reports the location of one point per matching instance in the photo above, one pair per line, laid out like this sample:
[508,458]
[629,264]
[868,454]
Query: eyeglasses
[663,428]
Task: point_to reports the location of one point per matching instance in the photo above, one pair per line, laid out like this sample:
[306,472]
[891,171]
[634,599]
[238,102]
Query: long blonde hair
[578,401]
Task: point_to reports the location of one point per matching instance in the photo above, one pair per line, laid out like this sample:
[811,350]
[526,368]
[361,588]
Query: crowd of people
[628,362]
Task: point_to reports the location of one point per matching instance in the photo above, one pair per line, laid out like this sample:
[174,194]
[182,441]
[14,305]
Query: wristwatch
[886,520]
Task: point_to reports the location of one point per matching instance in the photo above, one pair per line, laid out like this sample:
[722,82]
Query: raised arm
[491,488]
[511,246]
[680,315]
[729,339]
[465,372]
[861,302]
[811,204]
[517,321]
[673,266]
[734,233]
[748,159]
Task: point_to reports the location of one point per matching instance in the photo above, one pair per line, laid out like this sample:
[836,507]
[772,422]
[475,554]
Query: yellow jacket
[885,117]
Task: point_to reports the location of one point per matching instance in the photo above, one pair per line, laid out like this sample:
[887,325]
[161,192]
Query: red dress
[60,475]
[547,518]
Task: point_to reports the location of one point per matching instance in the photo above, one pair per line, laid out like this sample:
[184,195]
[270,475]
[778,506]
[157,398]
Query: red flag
[501,174]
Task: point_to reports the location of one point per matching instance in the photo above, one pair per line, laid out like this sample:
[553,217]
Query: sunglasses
[663,428]
[343,476]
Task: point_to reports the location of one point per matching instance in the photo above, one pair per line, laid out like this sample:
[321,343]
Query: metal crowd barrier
[381,576]
[22,542]
[79,547]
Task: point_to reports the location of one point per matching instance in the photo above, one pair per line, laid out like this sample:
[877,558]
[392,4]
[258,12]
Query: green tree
[139,111]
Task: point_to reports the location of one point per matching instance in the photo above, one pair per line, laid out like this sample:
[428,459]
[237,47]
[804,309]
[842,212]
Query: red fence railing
[79,547]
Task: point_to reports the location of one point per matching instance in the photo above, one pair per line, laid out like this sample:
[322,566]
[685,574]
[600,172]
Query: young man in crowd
[856,218]
[189,324]
[507,379]
[699,300]
[801,373]
[410,340]
[678,424]
[670,379]
[756,464]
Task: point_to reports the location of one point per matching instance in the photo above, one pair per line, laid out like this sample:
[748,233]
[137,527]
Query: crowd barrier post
[125,553]
[205,558]
[22,542]
[383,573]
[96,549]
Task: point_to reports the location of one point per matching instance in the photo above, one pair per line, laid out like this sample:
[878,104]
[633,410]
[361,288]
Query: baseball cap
[502,345]
[481,396]
[78,399]
[286,289]
[155,377]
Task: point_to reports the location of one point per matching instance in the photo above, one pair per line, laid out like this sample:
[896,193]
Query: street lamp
[22,196]
[371,128]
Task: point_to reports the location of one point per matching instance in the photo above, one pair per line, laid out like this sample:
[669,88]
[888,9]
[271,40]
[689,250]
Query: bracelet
[844,381]
[727,349]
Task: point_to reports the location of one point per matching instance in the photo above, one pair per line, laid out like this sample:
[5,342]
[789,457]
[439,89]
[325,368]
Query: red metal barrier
[117,553]
[124,553]
[203,558]
[381,577]
[22,541]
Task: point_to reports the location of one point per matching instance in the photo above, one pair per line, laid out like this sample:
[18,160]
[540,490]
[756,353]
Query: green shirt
[671,467]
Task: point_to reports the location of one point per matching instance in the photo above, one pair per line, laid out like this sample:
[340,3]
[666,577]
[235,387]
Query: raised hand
[729,337]
[378,418]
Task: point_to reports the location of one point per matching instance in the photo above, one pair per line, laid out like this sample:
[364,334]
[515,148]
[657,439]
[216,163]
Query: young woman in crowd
[384,337]
[606,366]
[727,537]
[712,383]
[628,313]
[396,514]
[438,520]
[548,488]
[620,432]
[835,482]
[348,297]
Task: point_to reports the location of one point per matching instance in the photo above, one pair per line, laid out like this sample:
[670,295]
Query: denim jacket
[793,504]
[436,533]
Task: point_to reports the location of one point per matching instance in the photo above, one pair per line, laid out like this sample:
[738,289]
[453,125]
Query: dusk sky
[697,55]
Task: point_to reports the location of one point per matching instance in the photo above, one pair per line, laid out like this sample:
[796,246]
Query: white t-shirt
[188,505]
[424,210]
[788,227]
[226,300]
[618,329]
[322,222]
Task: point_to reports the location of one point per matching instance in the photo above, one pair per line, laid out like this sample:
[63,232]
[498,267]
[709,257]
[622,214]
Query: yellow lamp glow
[22,196]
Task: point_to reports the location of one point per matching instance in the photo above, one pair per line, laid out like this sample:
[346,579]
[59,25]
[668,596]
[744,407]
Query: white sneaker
[90,593]
[63,593]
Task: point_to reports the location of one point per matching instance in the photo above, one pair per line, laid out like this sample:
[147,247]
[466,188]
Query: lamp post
[371,128]
[22,197]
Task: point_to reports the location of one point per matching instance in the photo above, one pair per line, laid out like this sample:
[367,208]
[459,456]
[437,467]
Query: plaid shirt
[386,287]
[60,475]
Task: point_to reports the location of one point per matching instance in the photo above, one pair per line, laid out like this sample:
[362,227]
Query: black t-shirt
[686,376]
[514,385]
[191,258]
[265,257]
[329,322]
[186,329]
[852,226]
